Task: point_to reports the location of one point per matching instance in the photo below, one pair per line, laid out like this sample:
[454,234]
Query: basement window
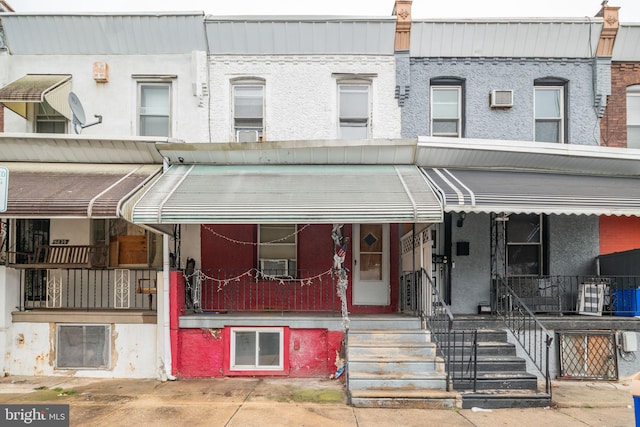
[257,349]
[83,346]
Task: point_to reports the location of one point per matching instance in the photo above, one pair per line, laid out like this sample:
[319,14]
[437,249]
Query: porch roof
[536,192]
[72,190]
[286,193]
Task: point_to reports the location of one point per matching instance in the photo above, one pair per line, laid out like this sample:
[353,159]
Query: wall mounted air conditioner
[501,99]
[247,136]
[274,267]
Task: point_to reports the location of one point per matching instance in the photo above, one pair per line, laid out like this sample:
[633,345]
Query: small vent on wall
[501,99]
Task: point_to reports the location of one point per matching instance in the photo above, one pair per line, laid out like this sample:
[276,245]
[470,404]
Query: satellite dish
[79,118]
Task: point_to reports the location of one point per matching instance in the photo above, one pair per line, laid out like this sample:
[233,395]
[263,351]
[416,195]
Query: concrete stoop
[396,369]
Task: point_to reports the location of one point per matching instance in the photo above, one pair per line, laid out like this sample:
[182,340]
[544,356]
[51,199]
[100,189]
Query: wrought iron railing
[458,348]
[250,290]
[88,289]
[532,336]
[568,294]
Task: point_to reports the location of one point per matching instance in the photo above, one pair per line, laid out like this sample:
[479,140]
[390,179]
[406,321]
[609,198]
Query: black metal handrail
[532,336]
[458,348]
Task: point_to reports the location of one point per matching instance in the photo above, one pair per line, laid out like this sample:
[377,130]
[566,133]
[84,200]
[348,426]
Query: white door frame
[371,292]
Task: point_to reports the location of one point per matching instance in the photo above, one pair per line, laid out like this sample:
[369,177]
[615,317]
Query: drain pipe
[166,360]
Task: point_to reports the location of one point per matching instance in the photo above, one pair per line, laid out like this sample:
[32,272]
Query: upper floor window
[633,116]
[354,110]
[48,120]
[154,109]
[550,110]
[248,111]
[447,107]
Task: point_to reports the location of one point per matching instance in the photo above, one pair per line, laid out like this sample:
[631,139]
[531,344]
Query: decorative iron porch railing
[458,348]
[591,295]
[250,290]
[88,289]
[532,336]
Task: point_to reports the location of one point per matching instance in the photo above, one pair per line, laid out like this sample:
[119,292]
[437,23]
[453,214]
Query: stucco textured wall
[301,94]
[482,75]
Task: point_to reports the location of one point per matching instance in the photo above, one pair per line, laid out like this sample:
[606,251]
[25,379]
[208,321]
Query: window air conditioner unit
[274,267]
[501,99]
[247,136]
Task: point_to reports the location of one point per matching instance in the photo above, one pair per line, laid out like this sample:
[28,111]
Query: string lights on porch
[240,242]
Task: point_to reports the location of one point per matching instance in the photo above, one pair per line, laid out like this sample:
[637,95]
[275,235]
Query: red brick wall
[613,126]
[619,233]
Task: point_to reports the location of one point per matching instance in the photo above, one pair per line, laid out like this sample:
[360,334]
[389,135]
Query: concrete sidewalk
[294,402]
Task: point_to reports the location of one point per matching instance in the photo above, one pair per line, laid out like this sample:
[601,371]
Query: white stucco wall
[32,352]
[9,299]
[116,100]
[77,231]
[301,96]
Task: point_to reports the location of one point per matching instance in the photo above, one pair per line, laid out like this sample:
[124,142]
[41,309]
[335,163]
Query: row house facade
[201,196]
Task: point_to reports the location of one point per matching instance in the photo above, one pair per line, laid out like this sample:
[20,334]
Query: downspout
[166,313]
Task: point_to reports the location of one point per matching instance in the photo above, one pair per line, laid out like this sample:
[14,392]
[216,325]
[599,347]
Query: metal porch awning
[259,194]
[36,88]
[72,190]
[535,192]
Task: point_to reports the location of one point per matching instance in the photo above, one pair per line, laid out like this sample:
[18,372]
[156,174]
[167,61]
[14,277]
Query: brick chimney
[610,26]
[402,11]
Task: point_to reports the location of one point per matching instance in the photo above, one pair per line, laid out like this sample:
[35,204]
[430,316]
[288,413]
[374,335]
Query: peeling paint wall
[311,353]
[31,350]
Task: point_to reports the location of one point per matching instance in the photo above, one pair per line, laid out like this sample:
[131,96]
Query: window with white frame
[524,245]
[277,250]
[248,110]
[633,116]
[48,120]
[354,110]
[447,107]
[83,346]
[256,349]
[154,108]
[550,110]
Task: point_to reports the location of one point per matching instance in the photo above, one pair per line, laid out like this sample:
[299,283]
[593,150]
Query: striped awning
[36,88]
[535,192]
[72,190]
[259,194]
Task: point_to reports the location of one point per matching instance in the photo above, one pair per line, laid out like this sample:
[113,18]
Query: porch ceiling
[66,190]
[511,191]
[321,194]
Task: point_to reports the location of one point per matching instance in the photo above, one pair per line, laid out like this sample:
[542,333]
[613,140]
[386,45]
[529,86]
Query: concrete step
[385,322]
[497,399]
[397,381]
[400,366]
[493,364]
[490,348]
[500,381]
[384,336]
[373,351]
[483,335]
[398,399]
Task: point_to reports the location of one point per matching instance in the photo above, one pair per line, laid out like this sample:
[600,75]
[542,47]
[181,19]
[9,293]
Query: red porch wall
[315,253]
[311,353]
[619,233]
[176,307]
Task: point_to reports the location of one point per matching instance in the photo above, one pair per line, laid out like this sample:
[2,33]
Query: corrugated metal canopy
[506,38]
[35,88]
[59,148]
[627,46]
[500,191]
[103,33]
[261,194]
[65,190]
[290,35]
